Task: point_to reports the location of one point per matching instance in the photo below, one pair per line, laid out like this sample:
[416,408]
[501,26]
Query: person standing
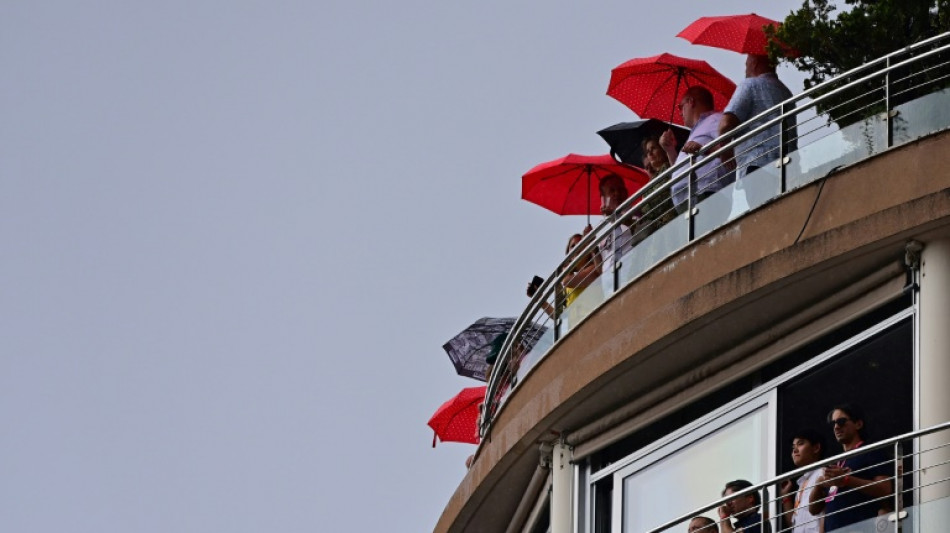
[699,116]
[852,490]
[744,509]
[759,91]
[807,448]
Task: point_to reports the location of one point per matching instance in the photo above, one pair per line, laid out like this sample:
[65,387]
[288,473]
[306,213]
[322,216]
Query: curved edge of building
[725,305]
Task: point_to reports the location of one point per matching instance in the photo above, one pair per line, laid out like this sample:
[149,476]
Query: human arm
[586,274]
[725,525]
[668,144]
[727,123]
[787,491]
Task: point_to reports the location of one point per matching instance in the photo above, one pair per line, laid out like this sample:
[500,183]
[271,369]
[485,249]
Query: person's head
[741,505]
[655,159]
[807,447]
[758,64]
[613,191]
[572,242]
[703,524]
[696,101]
[847,421]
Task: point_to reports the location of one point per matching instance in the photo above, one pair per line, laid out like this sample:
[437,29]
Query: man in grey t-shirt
[759,91]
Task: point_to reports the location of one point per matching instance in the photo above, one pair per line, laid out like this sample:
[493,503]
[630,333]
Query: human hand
[587,229]
[668,140]
[723,512]
[691,147]
[834,475]
[786,487]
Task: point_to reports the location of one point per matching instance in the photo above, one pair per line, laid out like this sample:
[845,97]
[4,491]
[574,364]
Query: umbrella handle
[679,76]
[588,193]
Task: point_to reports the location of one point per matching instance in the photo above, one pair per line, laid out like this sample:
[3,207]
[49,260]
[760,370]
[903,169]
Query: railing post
[782,149]
[898,470]
[690,215]
[888,119]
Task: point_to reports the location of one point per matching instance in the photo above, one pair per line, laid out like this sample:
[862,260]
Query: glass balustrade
[822,134]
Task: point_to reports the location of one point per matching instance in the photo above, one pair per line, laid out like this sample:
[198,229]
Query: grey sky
[234,236]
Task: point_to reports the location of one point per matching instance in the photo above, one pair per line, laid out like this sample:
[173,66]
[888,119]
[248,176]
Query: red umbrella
[457,419]
[740,33]
[570,185]
[652,86]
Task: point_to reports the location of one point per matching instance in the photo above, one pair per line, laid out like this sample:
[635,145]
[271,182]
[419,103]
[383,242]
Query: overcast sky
[235,235]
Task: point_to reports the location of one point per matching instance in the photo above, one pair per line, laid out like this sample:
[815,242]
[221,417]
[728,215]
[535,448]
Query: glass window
[692,471]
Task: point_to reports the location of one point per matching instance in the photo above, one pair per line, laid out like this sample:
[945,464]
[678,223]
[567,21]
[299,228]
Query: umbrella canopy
[740,33]
[652,86]
[471,346]
[570,185]
[625,138]
[456,420]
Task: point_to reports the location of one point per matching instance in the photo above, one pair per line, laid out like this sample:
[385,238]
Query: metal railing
[918,465]
[885,103]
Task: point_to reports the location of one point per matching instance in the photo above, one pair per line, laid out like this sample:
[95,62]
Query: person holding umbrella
[703,121]
[658,210]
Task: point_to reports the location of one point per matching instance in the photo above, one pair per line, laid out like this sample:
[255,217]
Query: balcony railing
[918,466]
[882,104]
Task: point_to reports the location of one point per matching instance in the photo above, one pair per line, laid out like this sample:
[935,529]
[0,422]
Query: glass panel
[714,211]
[653,248]
[922,116]
[829,148]
[695,475]
[930,516]
[536,353]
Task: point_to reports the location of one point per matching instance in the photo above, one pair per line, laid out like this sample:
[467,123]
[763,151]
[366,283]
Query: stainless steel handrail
[659,188]
[763,487]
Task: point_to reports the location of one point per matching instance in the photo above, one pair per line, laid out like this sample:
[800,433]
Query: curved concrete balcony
[827,238]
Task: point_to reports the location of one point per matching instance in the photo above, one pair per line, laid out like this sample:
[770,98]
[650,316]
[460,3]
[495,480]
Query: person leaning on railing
[847,491]
[760,90]
[703,121]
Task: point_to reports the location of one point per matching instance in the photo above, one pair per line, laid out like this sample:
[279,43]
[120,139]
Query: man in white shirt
[703,122]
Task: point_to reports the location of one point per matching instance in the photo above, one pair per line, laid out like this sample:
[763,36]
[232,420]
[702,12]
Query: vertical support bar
[562,482]
[887,103]
[932,379]
[782,149]
[898,485]
[690,207]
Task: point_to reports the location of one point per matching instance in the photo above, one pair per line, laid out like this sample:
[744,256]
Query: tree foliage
[829,42]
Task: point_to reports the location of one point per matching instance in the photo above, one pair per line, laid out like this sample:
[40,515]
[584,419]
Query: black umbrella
[625,138]
[468,349]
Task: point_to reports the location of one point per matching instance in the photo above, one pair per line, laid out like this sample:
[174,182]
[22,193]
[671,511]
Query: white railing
[918,465]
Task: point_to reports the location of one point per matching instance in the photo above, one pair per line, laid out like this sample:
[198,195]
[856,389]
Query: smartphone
[535,284]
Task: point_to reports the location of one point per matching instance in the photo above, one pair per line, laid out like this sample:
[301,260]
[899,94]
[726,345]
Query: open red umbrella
[652,86]
[456,420]
[740,33]
[570,185]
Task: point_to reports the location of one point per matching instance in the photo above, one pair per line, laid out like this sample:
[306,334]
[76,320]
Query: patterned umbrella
[652,86]
[570,185]
[456,420]
[469,348]
[740,33]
